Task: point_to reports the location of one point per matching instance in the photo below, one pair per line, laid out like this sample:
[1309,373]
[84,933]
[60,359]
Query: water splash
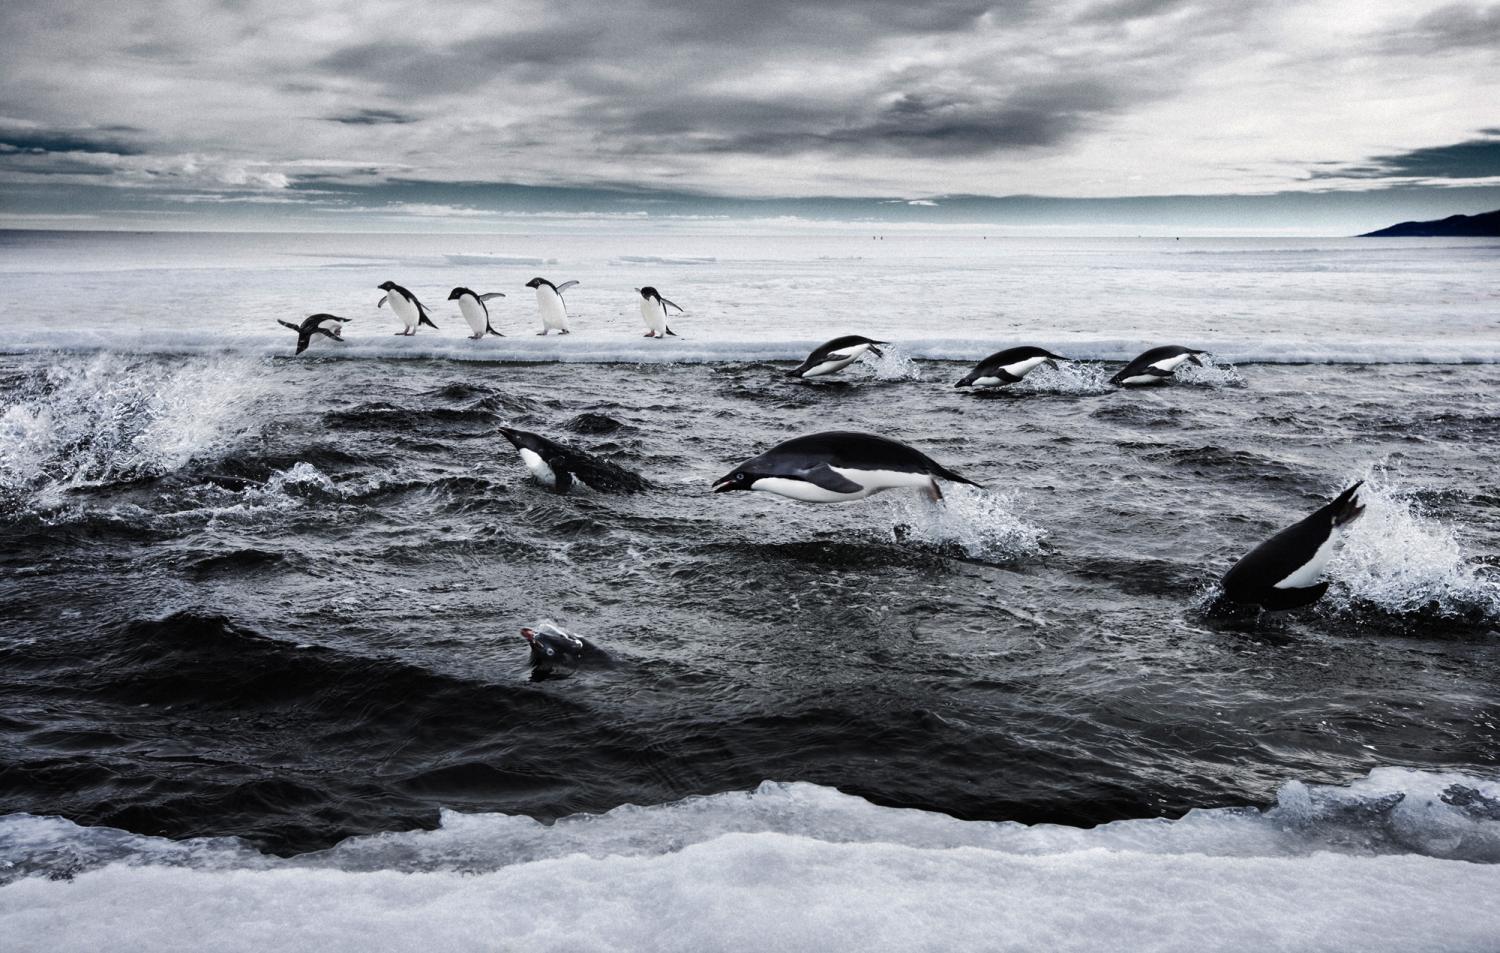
[1073,378]
[96,421]
[1213,373]
[894,364]
[981,524]
[1399,560]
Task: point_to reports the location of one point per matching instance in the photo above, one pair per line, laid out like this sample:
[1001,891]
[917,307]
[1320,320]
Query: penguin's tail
[1347,506]
[671,332]
[875,350]
[490,330]
[424,319]
[944,473]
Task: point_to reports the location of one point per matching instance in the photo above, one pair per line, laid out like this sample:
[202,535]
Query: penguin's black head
[554,651]
[649,292]
[537,282]
[457,293]
[738,479]
[387,286]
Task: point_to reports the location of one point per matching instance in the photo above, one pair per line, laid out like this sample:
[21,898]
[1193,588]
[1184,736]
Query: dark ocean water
[280,599]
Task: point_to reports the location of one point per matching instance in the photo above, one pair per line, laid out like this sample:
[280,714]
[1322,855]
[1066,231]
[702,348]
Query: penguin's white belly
[876,480]
[550,305]
[989,381]
[1169,364]
[1142,379]
[538,467]
[1022,368]
[655,316]
[837,361]
[473,314]
[806,492]
[404,309]
[1312,570]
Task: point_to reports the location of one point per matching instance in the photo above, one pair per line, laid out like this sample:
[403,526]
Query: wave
[798,866]
[369,340]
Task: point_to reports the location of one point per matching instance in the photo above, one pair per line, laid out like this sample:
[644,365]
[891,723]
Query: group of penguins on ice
[1284,572]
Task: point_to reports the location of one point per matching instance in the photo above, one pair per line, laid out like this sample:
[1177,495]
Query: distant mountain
[1483,225]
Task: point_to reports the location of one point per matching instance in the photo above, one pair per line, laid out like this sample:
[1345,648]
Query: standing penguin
[1007,366]
[406,307]
[313,324]
[1283,572]
[654,312]
[833,356]
[472,307]
[550,304]
[1155,366]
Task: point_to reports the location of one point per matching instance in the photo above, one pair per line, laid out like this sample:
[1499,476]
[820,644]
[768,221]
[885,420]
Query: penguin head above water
[556,652]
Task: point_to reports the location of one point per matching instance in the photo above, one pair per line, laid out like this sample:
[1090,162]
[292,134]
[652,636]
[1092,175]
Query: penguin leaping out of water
[654,312]
[550,304]
[1283,572]
[476,313]
[405,306]
[313,324]
[1155,366]
[833,356]
[838,467]
[555,466]
[1008,366]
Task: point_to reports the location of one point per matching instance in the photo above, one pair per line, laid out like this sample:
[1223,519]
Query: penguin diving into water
[406,307]
[1008,366]
[476,313]
[837,467]
[313,324]
[833,356]
[1155,366]
[555,466]
[1283,571]
[550,304]
[654,312]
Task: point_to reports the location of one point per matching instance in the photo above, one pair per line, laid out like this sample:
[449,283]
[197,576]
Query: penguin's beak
[724,483]
[528,634]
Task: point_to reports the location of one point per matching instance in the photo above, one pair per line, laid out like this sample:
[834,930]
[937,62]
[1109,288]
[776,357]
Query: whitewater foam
[980,523]
[797,866]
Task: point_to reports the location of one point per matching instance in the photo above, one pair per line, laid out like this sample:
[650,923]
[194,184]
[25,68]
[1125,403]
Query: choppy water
[278,600]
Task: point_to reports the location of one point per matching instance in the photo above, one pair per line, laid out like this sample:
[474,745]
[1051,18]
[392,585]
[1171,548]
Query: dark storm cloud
[373,117]
[41,141]
[1455,27]
[1473,159]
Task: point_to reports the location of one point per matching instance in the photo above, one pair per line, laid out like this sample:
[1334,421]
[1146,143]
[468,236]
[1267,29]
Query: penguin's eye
[550,652]
[739,478]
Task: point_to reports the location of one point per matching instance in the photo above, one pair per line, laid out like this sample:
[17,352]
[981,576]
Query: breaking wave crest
[109,418]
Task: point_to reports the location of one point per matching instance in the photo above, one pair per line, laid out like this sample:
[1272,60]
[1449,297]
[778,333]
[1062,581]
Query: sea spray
[981,524]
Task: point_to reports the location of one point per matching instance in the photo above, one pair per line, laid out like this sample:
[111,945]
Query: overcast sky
[245,112]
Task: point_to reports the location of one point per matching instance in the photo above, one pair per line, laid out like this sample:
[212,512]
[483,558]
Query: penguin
[549,301]
[1283,572]
[555,466]
[1155,365]
[1008,366]
[406,307]
[311,325]
[654,312]
[837,467]
[835,355]
[472,307]
[558,653]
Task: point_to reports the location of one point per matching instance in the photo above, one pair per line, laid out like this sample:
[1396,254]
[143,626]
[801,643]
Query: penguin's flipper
[381,302]
[824,476]
[492,294]
[675,305]
[562,479]
[1280,599]
[565,286]
[288,324]
[332,335]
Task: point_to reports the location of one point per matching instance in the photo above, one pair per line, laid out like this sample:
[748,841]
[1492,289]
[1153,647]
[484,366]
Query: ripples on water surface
[280,599]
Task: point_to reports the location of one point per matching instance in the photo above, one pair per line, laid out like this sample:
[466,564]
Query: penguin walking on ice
[405,306]
[838,467]
[833,356]
[1008,366]
[550,305]
[313,324]
[476,313]
[654,312]
[1155,366]
[1283,571]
